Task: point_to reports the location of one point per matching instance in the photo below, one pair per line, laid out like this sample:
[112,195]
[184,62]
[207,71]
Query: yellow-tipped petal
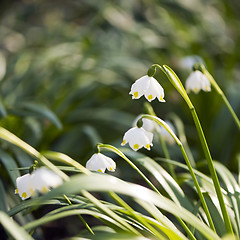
[44,189]
[148,146]
[99,170]
[150,97]
[161,98]
[16,191]
[136,146]
[135,94]
[123,142]
[24,195]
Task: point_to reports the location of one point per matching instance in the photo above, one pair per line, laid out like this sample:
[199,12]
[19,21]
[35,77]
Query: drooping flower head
[149,87]
[137,138]
[25,187]
[99,162]
[197,81]
[41,180]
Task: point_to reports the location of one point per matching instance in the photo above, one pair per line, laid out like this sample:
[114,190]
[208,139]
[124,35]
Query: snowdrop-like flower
[40,180]
[138,138]
[165,134]
[25,187]
[99,162]
[148,125]
[149,87]
[43,179]
[197,81]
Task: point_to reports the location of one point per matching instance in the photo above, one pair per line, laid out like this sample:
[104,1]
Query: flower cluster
[41,180]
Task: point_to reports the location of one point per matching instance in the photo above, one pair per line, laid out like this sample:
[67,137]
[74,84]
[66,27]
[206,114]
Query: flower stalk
[220,92]
[177,84]
[163,124]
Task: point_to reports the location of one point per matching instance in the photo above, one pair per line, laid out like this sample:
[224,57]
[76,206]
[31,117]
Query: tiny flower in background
[99,162]
[197,81]
[138,138]
[165,134]
[24,186]
[149,87]
[40,180]
[43,179]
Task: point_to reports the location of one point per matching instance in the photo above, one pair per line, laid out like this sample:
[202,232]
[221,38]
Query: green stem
[163,124]
[177,84]
[137,216]
[222,95]
[212,171]
[79,216]
[125,225]
[113,149]
[150,111]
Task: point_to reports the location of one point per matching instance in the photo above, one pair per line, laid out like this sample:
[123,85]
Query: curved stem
[175,81]
[220,92]
[113,149]
[79,216]
[163,124]
[212,171]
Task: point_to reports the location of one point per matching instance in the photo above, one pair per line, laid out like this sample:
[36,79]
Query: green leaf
[9,164]
[106,183]
[13,228]
[39,110]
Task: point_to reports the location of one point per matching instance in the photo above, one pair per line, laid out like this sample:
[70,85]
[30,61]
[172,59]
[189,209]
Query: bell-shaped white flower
[99,162]
[197,81]
[149,87]
[148,124]
[25,187]
[137,138]
[43,179]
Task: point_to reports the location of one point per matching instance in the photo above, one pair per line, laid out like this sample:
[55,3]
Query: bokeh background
[66,68]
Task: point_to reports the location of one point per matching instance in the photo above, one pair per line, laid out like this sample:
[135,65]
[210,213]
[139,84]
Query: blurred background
[66,68]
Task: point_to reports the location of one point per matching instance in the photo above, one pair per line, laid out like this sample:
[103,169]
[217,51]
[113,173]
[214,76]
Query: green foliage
[66,69]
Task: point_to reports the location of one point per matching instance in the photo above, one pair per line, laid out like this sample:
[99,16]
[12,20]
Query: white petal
[139,87]
[99,162]
[154,90]
[138,138]
[206,85]
[197,81]
[24,186]
[44,179]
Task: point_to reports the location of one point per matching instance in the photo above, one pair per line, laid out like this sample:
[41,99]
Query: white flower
[99,162]
[197,81]
[24,186]
[149,87]
[43,179]
[165,134]
[138,138]
[40,180]
[148,125]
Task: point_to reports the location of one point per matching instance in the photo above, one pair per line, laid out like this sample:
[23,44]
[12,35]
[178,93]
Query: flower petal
[139,87]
